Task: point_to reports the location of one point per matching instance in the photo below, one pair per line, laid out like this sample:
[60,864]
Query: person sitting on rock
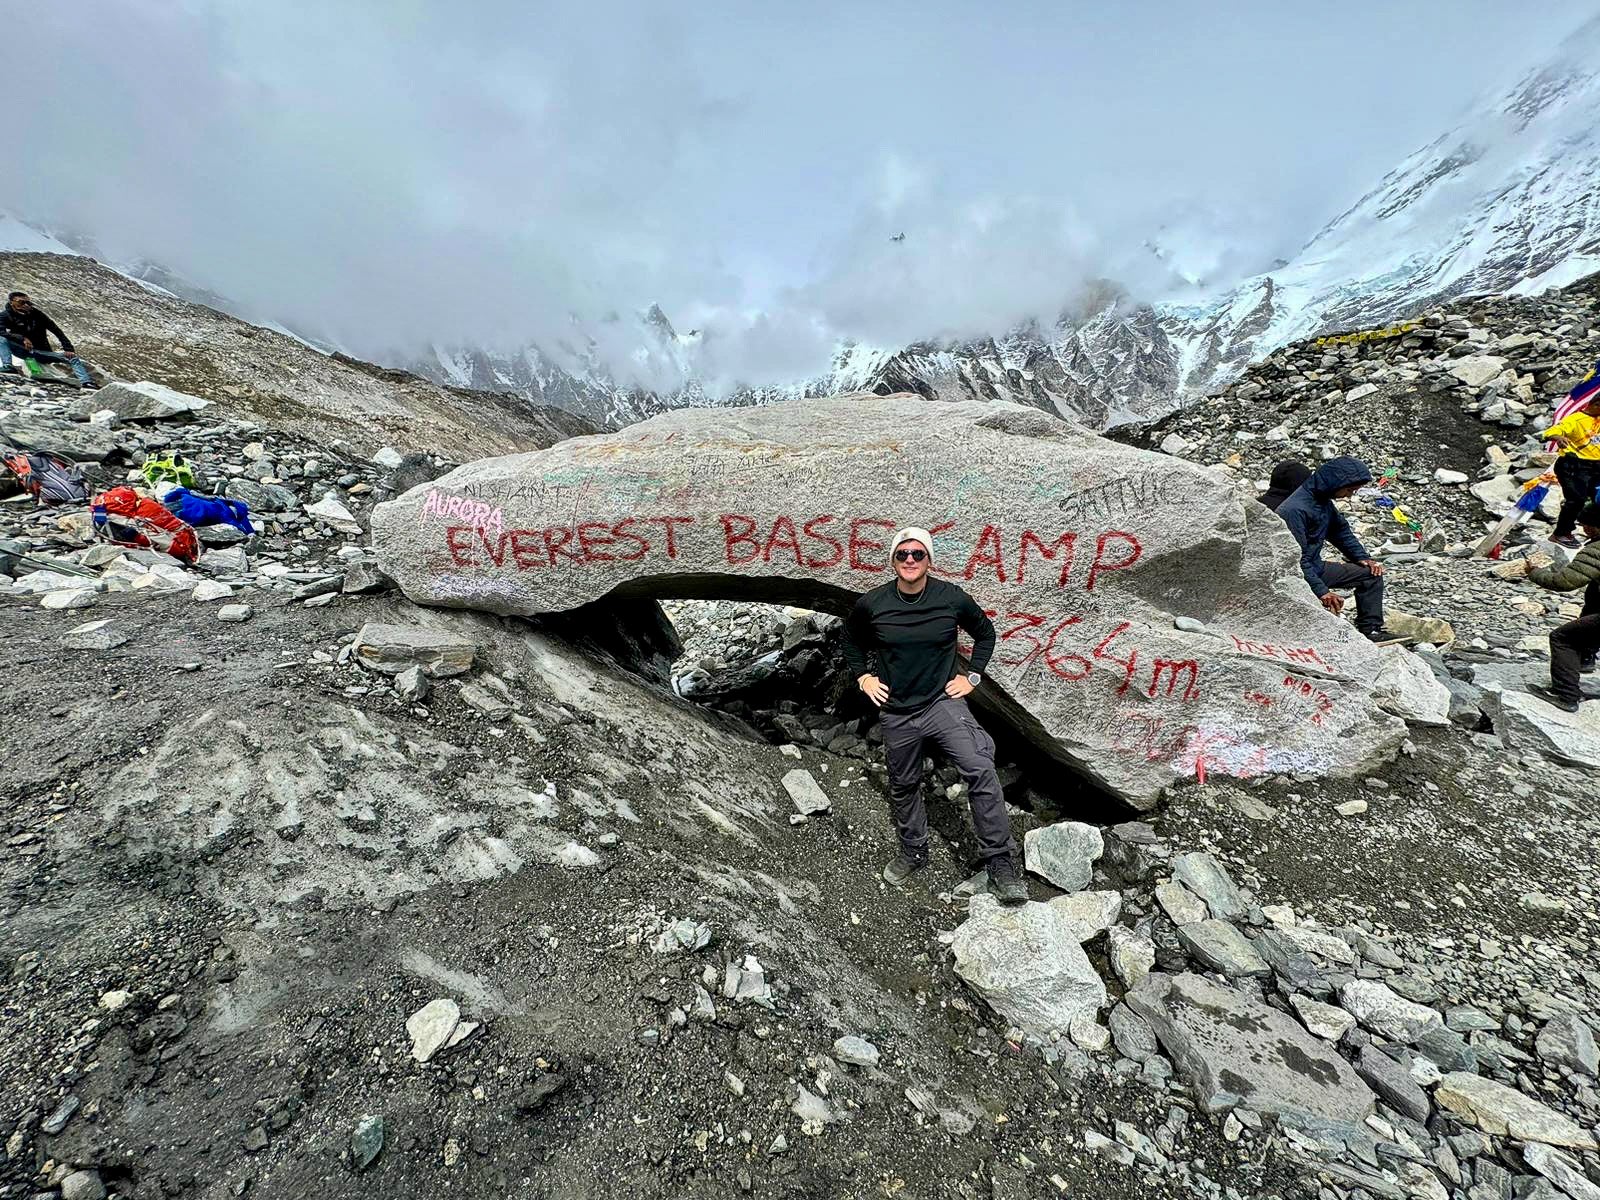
[1578,467]
[25,333]
[1287,477]
[1573,646]
[900,642]
[1315,520]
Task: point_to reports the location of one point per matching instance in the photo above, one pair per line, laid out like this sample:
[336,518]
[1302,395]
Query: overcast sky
[395,172]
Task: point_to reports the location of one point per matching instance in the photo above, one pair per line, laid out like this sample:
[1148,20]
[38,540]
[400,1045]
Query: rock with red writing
[1083,550]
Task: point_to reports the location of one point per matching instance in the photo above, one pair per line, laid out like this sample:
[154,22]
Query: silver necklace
[906,599]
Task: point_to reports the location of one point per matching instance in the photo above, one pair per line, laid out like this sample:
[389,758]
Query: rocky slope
[350,897]
[136,331]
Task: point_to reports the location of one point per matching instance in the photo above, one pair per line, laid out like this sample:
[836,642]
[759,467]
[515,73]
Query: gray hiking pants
[970,749]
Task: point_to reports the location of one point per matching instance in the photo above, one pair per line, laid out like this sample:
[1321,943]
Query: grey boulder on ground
[81,443]
[1234,1050]
[142,401]
[1027,964]
[1220,947]
[1083,548]
[393,648]
[1525,722]
[1505,1112]
[1377,1008]
[1207,878]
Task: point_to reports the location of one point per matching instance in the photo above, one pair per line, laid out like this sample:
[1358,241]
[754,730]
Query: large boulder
[1526,722]
[47,435]
[1234,1050]
[1028,964]
[143,401]
[1084,550]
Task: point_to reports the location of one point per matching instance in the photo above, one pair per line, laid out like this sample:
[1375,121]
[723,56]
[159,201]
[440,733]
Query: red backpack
[126,517]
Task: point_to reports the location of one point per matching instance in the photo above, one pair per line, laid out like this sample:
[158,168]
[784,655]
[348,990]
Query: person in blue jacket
[1315,520]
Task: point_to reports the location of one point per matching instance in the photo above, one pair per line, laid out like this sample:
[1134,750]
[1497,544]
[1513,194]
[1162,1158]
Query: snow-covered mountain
[1507,201]
[1504,202]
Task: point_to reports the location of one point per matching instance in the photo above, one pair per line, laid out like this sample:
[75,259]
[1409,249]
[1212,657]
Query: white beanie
[911,534]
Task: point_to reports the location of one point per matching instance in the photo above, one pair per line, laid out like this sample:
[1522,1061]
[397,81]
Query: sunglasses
[913,555]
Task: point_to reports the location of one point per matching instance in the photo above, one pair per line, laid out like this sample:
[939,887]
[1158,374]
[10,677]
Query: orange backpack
[126,517]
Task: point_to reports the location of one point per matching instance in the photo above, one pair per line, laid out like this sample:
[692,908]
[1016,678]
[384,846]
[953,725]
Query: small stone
[1088,1034]
[1351,808]
[431,1026]
[733,1083]
[115,1001]
[1327,1021]
[1133,955]
[806,793]
[83,1185]
[1179,903]
[66,599]
[57,1120]
[412,685]
[235,613]
[208,590]
[856,1051]
[366,1141]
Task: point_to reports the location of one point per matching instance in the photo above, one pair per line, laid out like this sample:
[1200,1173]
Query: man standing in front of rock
[900,642]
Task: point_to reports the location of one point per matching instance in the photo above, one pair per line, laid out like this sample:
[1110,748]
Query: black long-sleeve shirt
[33,325]
[911,644]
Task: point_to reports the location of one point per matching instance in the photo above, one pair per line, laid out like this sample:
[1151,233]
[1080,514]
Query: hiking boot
[1550,697]
[902,868]
[1005,885]
[1567,540]
[1381,634]
[1587,666]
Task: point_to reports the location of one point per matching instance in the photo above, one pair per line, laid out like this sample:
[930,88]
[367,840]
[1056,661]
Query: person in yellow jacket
[1578,468]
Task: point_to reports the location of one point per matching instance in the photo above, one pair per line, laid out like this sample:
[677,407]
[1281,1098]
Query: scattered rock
[1377,1008]
[104,634]
[143,401]
[1026,962]
[1505,1112]
[235,613]
[1091,913]
[1220,947]
[855,1051]
[1235,1050]
[1179,903]
[392,648]
[806,792]
[367,1141]
[1064,853]
[1208,879]
[431,1027]
[1567,1041]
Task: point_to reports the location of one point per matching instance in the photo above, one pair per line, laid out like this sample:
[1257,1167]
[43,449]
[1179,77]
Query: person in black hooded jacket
[1315,520]
[1287,477]
[25,333]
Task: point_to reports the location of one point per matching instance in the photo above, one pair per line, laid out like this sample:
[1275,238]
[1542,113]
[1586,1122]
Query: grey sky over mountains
[400,172]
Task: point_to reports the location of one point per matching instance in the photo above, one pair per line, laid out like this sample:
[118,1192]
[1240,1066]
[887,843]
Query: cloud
[395,173]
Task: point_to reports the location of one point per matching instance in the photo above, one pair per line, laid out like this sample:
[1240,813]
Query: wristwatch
[974,678]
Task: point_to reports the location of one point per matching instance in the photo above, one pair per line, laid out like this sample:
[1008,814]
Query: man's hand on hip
[958,687]
[877,691]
